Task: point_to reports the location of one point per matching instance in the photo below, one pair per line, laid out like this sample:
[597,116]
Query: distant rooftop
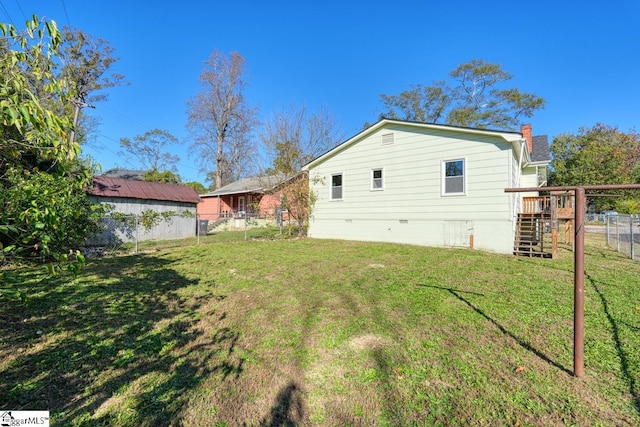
[125,174]
[258,184]
[106,186]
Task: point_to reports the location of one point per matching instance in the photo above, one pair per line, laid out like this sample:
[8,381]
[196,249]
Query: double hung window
[453,177]
[376,179]
[336,186]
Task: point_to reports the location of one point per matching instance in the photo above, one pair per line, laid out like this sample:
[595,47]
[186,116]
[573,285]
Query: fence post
[608,231]
[631,236]
[617,232]
[198,228]
[135,220]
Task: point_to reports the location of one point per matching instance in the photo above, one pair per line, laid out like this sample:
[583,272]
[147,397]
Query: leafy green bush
[628,206]
[45,215]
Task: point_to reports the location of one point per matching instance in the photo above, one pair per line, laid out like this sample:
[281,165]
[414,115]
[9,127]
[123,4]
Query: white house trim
[413,206]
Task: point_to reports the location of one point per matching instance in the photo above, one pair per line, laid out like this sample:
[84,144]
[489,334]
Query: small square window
[376,179]
[336,186]
[453,177]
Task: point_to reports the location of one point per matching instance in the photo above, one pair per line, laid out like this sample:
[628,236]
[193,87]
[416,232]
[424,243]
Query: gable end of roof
[509,136]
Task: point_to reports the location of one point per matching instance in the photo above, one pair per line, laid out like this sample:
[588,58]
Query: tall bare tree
[220,120]
[293,138]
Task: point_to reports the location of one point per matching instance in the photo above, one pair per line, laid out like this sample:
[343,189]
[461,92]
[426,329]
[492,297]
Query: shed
[131,198]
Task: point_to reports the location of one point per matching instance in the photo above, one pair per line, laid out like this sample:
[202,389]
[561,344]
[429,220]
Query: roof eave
[508,136]
[226,193]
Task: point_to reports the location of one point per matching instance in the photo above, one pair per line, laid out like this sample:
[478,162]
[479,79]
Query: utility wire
[6,13]
[64,6]
[21,11]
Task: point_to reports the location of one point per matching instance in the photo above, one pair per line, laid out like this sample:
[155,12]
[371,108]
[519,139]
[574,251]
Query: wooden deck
[541,215]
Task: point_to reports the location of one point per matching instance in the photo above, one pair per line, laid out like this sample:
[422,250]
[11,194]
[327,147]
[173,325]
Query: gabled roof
[512,137]
[105,186]
[540,149]
[259,184]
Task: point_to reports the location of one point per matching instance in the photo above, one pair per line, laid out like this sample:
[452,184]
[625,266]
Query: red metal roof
[104,186]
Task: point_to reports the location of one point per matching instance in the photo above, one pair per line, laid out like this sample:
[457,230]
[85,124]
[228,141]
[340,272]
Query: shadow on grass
[123,349]
[622,355]
[458,294]
[288,410]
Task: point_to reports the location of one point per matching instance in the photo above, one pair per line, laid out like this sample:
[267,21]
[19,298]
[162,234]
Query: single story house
[257,197]
[129,198]
[425,184]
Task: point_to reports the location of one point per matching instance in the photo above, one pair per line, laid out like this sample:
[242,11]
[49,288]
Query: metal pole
[631,235]
[578,300]
[617,232]
[135,220]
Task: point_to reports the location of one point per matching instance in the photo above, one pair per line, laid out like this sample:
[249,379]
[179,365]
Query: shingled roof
[540,149]
[254,185]
[104,186]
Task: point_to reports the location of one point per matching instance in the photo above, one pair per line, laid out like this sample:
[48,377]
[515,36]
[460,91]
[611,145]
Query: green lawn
[264,332]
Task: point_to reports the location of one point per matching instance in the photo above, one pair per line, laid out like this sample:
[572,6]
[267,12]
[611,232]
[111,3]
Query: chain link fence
[123,232]
[623,234]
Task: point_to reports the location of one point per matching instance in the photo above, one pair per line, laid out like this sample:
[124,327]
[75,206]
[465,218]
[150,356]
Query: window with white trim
[336,186]
[376,179]
[453,177]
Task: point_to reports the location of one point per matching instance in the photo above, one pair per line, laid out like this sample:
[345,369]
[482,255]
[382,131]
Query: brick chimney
[526,134]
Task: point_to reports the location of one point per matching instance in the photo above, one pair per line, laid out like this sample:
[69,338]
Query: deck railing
[536,204]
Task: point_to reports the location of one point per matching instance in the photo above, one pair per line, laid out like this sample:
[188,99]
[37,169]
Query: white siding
[412,208]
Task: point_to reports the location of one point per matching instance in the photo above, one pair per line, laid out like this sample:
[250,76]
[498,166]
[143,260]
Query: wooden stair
[529,239]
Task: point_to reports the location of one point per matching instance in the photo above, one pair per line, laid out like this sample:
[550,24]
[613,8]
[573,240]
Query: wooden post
[554,243]
[568,231]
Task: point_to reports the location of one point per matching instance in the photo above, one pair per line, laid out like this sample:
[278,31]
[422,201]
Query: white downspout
[517,183]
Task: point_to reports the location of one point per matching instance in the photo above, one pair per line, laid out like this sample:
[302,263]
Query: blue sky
[583,57]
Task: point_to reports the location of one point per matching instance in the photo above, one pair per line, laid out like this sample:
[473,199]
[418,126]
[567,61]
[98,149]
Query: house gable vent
[387,138]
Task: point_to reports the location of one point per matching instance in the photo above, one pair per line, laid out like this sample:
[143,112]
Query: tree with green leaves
[44,210]
[598,155]
[197,186]
[85,63]
[164,177]
[150,150]
[474,96]
[221,121]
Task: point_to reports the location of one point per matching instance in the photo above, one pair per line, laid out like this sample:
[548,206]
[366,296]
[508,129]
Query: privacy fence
[623,234]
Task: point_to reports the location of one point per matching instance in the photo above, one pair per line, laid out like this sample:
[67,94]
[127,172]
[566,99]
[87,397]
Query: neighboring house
[247,197]
[424,184]
[132,197]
